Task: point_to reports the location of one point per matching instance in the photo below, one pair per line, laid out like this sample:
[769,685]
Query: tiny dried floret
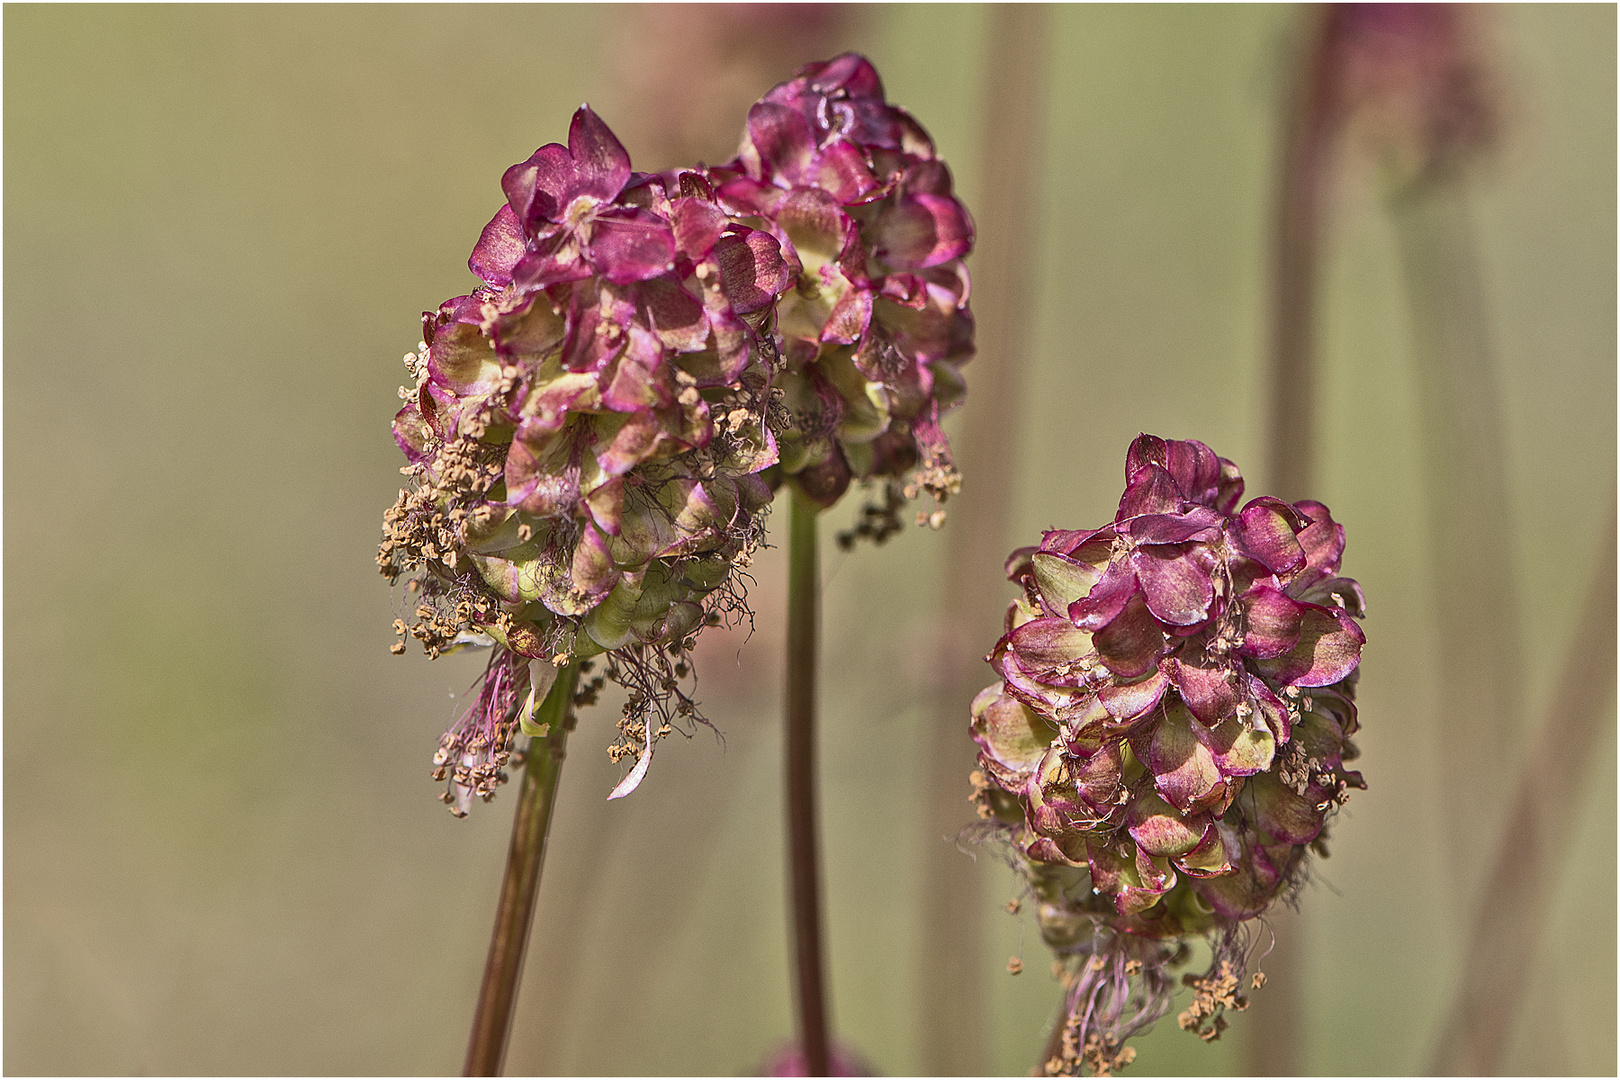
[1170,731]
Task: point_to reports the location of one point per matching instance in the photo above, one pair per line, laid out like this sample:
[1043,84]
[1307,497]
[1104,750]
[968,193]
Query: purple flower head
[586,437]
[1173,717]
[876,327]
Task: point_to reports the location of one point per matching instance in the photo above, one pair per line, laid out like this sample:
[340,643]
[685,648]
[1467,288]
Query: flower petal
[1329,648]
[600,165]
[1207,690]
[1264,532]
[1151,491]
[1273,622]
[922,231]
[1177,588]
[1131,642]
[1184,769]
[1240,747]
[1159,829]
[499,248]
[1125,701]
[631,245]
[1062,580]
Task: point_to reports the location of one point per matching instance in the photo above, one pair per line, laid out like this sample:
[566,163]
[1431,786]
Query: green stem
[804,871]
[514,913]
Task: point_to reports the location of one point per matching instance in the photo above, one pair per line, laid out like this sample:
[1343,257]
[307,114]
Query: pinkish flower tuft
[877,326]
[586,439]
[1169,733]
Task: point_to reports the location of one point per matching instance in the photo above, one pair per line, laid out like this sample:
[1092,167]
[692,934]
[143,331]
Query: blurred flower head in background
[1409,85]
[1169,734]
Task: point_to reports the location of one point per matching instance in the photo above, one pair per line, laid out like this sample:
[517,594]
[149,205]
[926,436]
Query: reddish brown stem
[514,912]
[804,862]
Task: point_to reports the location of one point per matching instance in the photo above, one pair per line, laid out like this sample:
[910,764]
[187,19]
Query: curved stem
[492,1022]
[804,869]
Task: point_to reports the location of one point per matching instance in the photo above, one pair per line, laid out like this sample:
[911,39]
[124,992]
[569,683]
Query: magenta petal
[840,168]
[1208,691]
[1070,541]
[1279,811]
[1131,643]
[1107,598]
[1270,708]
[1043,644]
[411,433]
[1264,533]
[849,318]
[752,271]
[533,187]
[1329,648]
[1340,592]
[1159,829]
[1151,491]
[601,166]
[1240,748]
[1230,489]
[675,314]
[1128,700]
[1183,768]
[1195,468]
[631,445]
[1178,590]
[1216,854]
[697,224]
[499,248]
[780,140]
[1322,539]
[631,245]
[922,231]
[1198,523]
[1274,622]
[641,380]
[1145,450]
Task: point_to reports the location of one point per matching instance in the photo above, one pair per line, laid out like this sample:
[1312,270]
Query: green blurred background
[222,850]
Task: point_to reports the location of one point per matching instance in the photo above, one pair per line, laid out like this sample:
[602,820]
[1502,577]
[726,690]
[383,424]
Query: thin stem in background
[1509,912]
[952,971]
[804,862]
[1470,526]
[514,912]
[1271,1028]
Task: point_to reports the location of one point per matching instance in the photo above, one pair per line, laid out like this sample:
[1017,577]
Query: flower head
[586,437]
[876,326]
[1169,732]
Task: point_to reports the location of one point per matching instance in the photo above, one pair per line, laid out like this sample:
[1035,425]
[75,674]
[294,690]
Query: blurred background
[223,853]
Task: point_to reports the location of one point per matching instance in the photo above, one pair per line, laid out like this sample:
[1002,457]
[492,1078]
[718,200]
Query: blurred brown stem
[1465,492]
[804,864]
[1271,1041]
[952,973]
[514,912]
[1308,131]
[1511,909]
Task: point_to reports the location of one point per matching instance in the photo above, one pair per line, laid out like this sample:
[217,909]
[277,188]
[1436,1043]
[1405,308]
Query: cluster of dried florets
[1169,734]
[877,326]
[595,432]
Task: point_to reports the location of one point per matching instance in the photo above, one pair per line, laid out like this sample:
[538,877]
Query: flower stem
[492,1022]
[804,871]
